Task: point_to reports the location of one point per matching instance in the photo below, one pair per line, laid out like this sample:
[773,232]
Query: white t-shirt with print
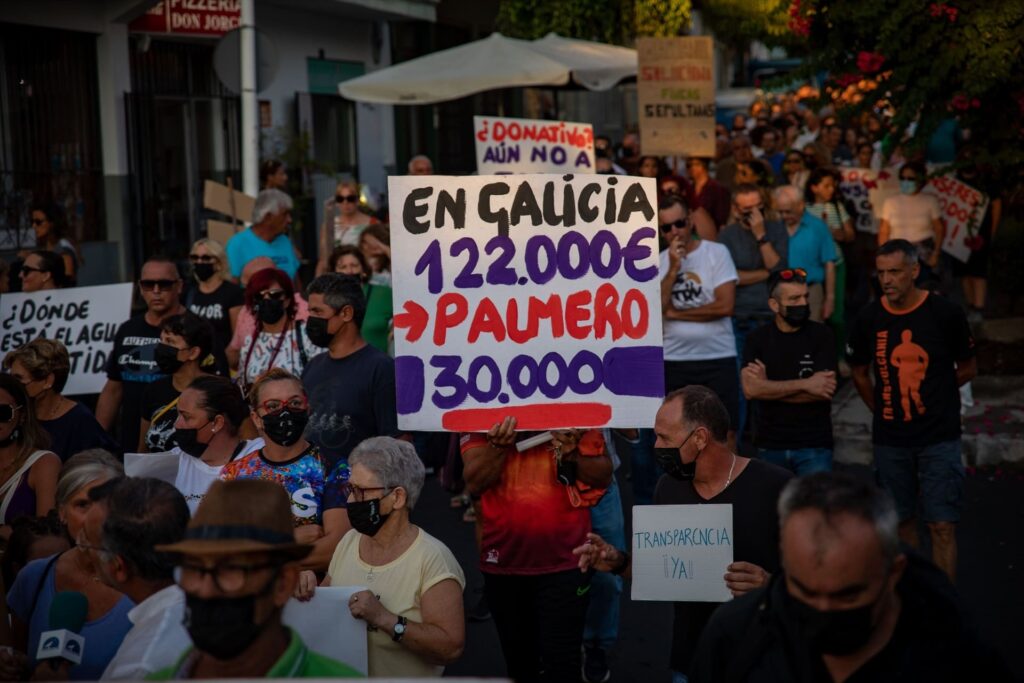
[701,271]
[195,477]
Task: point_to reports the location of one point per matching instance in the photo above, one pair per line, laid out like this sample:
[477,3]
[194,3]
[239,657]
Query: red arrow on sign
[414,319]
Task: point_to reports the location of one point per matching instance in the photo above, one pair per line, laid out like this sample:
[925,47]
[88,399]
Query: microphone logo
[52,643]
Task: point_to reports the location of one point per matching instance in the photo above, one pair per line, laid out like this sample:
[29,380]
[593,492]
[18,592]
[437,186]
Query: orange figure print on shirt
[911,363]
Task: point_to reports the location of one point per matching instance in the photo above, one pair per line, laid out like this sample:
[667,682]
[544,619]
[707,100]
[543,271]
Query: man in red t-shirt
[531,523]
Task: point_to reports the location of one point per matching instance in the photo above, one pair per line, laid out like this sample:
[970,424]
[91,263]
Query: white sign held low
[327,627]
[84,319]
[680,552]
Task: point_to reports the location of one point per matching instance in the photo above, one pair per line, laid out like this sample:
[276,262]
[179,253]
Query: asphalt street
[991,581]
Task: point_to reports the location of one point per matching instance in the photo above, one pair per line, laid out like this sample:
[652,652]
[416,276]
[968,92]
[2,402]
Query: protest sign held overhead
[527,146]
[962,209]
[680,552]
[535,297]
[84,319]
[676,91]
[867,190]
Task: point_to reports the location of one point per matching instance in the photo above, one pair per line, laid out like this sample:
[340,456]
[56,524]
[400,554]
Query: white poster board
[868,189]
[680,552]
[84,319]
[328,628]
[963,209]
[533,296]
[505,145]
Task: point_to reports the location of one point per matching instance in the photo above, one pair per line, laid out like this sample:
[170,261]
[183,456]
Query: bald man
[811,248]
[421,165]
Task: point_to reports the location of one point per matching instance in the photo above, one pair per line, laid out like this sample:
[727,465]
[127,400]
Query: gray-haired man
[268,236]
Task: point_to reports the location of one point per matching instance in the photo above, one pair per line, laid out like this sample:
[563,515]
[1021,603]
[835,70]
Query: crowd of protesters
[245,449]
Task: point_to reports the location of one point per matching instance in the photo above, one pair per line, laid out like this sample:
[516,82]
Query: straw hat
[241,516]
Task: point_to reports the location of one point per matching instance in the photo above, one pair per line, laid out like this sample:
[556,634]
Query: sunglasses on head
[680,223]
[7,412]
[153,285]
[350,198]
[792,275]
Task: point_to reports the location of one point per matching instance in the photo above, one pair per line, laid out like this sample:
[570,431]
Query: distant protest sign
[676,91]
[527,146]
[534,296]
[867,190]
[84,319]
[680,552]
[963,209]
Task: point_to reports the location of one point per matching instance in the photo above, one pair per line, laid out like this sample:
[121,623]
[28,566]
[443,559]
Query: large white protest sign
[84,319]
[680,552]
[527,146]
[963,209]
[327,627]
[533,296]
[867,190]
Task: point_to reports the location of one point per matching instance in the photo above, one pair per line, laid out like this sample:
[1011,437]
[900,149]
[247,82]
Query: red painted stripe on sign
[538,416]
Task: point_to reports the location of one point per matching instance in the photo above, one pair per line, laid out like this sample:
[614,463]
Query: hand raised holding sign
[742,577]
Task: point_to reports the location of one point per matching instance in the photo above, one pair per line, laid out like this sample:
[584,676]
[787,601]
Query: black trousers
[540,623]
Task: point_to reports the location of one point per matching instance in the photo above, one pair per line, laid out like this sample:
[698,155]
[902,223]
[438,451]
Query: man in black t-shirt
[351,388]
[790,369]
[132,365]
[691,430]
[918,349]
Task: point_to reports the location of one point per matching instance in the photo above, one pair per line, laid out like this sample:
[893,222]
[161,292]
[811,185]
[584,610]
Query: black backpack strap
[300,342]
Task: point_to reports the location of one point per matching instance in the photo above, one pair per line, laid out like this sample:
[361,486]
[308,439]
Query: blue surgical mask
[908,186]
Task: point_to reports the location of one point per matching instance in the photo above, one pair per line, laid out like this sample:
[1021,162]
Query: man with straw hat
[238,566]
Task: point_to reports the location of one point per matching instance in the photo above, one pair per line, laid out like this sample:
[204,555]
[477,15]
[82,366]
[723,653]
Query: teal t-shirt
[246,245]
[811,247]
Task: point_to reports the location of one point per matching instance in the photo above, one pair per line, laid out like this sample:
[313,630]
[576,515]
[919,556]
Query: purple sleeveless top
[23,501]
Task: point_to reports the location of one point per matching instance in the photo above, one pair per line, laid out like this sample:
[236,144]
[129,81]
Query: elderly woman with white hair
[413,607]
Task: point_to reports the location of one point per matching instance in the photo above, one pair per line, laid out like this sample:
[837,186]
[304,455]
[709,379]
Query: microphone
[62,641]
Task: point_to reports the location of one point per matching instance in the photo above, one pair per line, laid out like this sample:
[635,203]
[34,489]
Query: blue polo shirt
[811,247]
[247,245]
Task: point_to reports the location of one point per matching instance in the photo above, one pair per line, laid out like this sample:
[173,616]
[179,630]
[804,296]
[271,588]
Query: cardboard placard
[962,208]
[217,197]
[506,145]
[219,231]
[676,92]
[680,552]
[84,319]
[867,190]
[534,296]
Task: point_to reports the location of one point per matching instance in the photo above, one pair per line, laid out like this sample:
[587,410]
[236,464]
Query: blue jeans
[643,468]
[926,478]
[741,327]
[606,519]
[800,461]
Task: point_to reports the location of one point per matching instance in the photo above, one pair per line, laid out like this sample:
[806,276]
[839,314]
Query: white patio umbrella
[494,62]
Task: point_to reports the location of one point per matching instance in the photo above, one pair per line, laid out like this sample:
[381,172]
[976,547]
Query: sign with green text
[676,91]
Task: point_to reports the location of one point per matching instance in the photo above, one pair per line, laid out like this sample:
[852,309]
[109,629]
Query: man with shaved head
[810,249]
[848,605]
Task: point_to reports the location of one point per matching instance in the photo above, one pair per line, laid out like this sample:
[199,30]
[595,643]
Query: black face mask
[224,627]
[316,329]
[834,632]
[285,427]
[188,440]
[166,357]
[270,310]
[203,271]
[365,516]
[796,316]
[668,459]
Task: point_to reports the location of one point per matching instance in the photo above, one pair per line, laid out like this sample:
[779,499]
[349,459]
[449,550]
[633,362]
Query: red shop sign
[190,17]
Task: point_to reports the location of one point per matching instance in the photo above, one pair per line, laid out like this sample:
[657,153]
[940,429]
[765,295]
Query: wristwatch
[762,240]
[399,630]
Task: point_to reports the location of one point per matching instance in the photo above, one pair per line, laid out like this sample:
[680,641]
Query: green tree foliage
[737,23]
[931,60]
[609,21]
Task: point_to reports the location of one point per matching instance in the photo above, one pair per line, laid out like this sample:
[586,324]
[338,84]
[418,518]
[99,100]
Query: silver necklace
[728,480]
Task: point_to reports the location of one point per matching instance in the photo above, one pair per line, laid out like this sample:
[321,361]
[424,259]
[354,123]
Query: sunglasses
[32,269]
[350,198]
[38,221]
[205,258]
[7,412]
[153,285]
[275,294]
[680,223]
[791,274]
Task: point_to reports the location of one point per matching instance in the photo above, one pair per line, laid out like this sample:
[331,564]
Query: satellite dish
[227,60]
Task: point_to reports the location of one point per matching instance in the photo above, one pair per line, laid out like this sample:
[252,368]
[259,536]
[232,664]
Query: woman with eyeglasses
[794,170]
[213,298]
[42,366]
[412,604]
[914,216]
[182,355]
[280,410]
[42,270]
[344,221]
[278,340]
[212,416]
[49,237]
[376,327]
[33,592]
[28,470]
